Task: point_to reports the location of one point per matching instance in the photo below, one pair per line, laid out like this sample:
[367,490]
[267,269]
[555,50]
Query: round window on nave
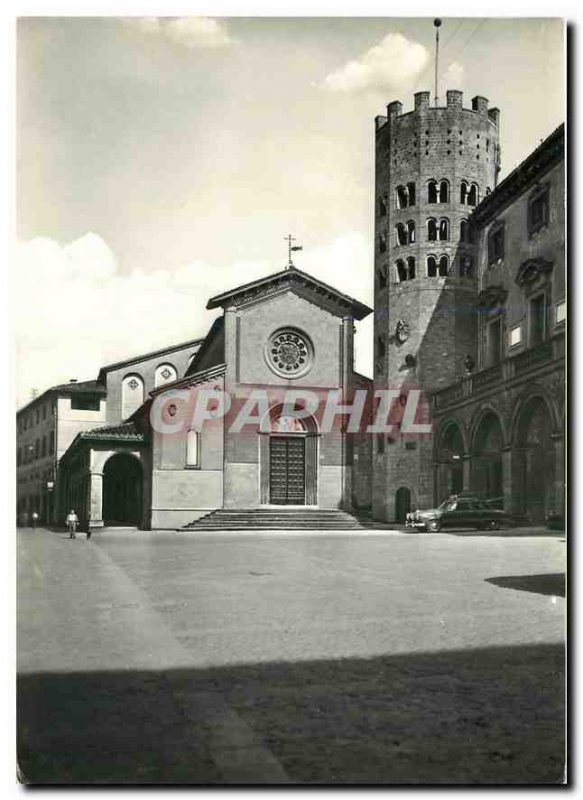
[289,353]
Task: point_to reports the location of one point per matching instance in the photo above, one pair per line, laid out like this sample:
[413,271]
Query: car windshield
[448,505]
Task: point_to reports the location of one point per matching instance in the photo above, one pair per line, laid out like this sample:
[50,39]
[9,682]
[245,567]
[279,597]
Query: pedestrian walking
[88,532]
[34,519]
[72,522]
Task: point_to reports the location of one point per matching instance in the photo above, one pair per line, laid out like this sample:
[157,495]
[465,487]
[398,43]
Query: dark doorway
[287,470]
[122,491]
[537,460]
[402,503]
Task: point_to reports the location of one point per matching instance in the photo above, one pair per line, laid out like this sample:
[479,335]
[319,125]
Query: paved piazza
[378,657]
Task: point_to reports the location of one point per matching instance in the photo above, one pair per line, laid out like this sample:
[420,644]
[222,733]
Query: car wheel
[434,526]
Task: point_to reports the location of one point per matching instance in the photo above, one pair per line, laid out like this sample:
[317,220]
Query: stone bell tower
[433,166]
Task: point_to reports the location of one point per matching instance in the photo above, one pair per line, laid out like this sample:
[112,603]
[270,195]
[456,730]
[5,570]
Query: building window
[18,457]
[401,233]
[401,271]
[466,232]
[165,373]
[411,232]
[431,229]
[432,192]
[515,337]
[51,442]
[405,195]
[380,443]
[411,191]
[43,450]
[538,210]
[192,449]
[37,448]
[494,341]
[443,230]
[538,319]
[437,268]
[560,312]
[466,266]
[402,197]
[382,206]
[463,193]
[410,268]
[473,195]
[444,192]
[132,395]
[496,243]
[44,412]
[382,243]
[85,402]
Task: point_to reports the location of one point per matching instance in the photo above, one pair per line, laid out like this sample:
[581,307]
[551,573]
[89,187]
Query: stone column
[466,466]
[559,477]
[96,500]
[346,367]
[508,489]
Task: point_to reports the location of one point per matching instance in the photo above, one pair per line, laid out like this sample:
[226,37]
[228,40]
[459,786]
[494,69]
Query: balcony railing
[500,373]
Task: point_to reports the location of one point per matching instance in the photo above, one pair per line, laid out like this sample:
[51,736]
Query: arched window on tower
[382,206]
[410,232]
[402,197]
[443,229]
[432,229]
[410,268]
[411,193]
[432,192]
[473,195]
[463,193]
[431,267]
[382,243]
[443,266]
[444,192]
[401,270]
[401,233]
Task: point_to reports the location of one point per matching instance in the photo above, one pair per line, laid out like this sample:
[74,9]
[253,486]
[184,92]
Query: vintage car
[459,511]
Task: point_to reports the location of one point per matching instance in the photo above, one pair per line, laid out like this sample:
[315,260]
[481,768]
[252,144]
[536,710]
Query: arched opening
[401,270]
[432,192]
[443,267]
[132,395]
[410,268]
[444,192]
[463,193]
[411,232]
[402,503]
[165,373]
[450,465]
[535,460]
[401,233]
[122,490]
[473,195]
[289,459]
[487,473]
[443,229]
[431,229]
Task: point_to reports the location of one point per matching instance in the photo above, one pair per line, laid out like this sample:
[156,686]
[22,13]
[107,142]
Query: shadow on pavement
[490,715]
[552,583]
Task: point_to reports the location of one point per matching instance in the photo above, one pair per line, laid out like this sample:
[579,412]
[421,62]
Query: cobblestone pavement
[290,658]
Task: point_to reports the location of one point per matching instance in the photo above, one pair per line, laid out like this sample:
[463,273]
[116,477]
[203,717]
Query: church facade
[469,313]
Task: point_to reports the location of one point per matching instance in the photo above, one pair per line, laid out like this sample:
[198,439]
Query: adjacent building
[469,312]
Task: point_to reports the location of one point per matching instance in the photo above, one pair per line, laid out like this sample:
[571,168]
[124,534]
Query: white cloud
[389,65]
[75,311]
[187,31]
[453,77]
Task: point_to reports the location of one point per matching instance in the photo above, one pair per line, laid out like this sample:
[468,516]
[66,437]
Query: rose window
[289,353]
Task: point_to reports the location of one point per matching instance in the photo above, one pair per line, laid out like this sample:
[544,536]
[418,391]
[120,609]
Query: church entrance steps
[278,519]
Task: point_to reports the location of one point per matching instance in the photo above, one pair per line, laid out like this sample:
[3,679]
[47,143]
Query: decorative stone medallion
[133,384]
[166,373]
[402,331]
[289,353]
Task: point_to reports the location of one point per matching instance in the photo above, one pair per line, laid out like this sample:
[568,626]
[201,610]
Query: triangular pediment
[301,283]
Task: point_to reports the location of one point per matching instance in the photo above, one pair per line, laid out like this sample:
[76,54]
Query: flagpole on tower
[437,24]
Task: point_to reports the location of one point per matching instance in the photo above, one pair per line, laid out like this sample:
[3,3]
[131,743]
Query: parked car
[459,511]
